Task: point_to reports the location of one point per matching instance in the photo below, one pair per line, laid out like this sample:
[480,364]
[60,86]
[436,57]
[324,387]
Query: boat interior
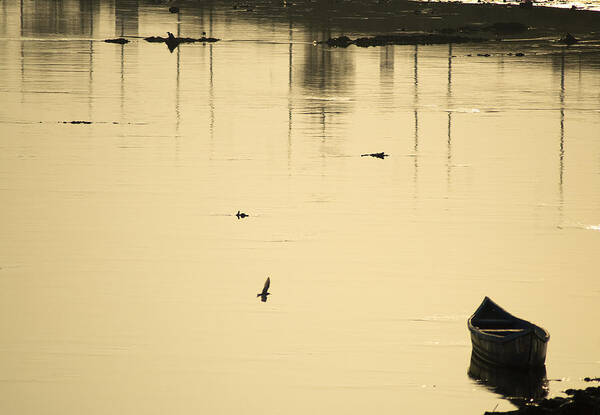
[498,327]
[491,319]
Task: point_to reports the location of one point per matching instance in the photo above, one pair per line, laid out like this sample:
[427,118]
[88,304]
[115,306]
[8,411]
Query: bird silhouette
[241,215]
[172,42]
[264,293]
[381,155]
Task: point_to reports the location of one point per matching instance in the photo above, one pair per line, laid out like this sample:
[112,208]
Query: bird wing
[267,284]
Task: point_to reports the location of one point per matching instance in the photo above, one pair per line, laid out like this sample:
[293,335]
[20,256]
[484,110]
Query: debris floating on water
[120,41]
[100,122]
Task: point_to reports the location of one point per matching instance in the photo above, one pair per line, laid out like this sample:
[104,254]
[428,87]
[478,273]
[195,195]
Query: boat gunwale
[528,327]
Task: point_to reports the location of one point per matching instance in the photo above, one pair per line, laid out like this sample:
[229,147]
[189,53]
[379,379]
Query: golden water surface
[128,285]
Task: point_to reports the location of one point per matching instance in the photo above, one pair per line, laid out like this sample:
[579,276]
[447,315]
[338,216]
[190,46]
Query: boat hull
[526,350]
[501,339]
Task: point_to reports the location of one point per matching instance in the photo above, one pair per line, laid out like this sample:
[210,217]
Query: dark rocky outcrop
[578,401]
[180,39]
[400,39]
[172,42]
[156,39]
[120,41]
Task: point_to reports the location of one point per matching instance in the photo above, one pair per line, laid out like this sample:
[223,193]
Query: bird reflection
[518,386]
[263,295]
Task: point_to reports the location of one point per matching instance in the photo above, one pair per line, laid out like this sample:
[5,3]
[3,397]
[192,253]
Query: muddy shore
[577,402]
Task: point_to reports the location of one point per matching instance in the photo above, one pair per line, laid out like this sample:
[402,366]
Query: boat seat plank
[499,330]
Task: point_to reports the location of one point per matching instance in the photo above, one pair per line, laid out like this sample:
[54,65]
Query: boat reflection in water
[517,385]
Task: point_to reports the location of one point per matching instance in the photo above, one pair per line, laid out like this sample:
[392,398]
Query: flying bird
[241,215]
[265,291]
[381,155]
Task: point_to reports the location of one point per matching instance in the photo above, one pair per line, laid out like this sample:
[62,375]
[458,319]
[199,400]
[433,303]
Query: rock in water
[119,40]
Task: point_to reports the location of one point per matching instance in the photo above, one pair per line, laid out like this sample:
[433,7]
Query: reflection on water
[127,280]
[517,386]
[126,17]
[63,18]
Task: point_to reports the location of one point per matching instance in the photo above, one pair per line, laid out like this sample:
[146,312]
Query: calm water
[127,285]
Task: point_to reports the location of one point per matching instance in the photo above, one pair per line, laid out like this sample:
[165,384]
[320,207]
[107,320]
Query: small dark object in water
[208,39]
[119,40]
[483,54]
[591,379]
[76,122]
[265,291]
[569,39]
[241,215]
[174,9]
[519,54]
[381,155]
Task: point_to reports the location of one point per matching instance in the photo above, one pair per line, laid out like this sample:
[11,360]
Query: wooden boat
[501,339]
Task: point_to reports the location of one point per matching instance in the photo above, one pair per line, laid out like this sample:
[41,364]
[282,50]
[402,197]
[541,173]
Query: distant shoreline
[376,17]
[567,5]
